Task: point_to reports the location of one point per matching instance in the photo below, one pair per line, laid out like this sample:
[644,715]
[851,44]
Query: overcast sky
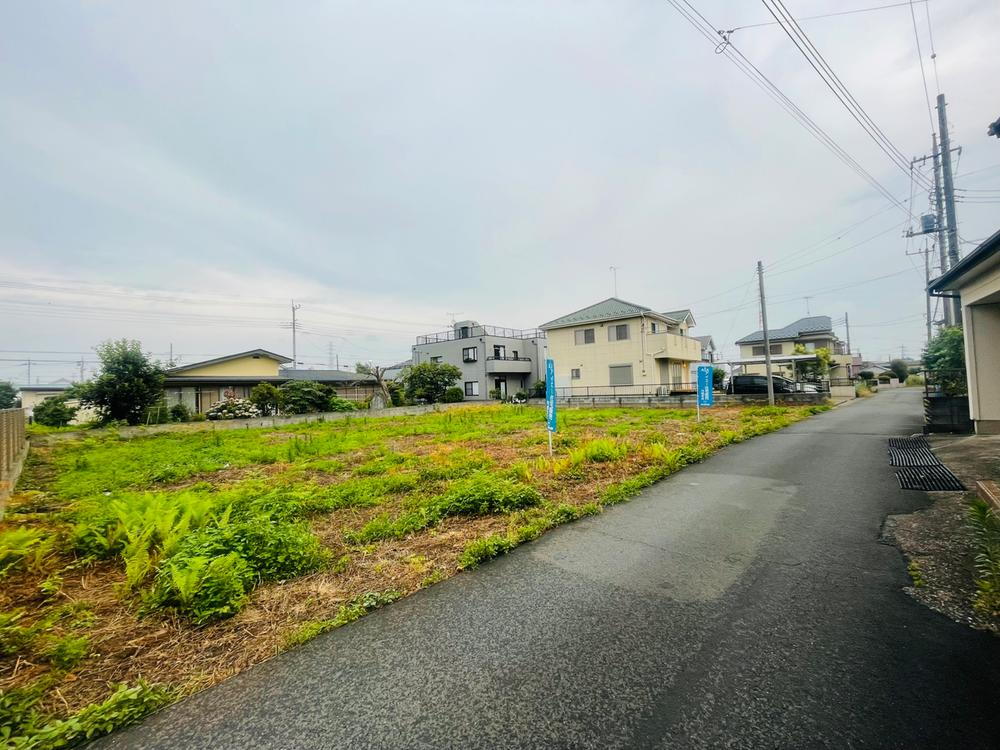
[177,172]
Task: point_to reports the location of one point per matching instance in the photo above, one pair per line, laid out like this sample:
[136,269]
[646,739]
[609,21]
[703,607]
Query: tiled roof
[802,326]
[229,357]
[705,340]
[679,315]
[610,309]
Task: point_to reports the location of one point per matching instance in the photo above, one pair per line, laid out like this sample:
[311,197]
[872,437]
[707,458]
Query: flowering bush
[233,408]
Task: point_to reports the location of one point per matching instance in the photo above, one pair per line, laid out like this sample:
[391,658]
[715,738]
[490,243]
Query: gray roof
[679,315]
[230,357]
[327,376]
[610,309]
[706,341]
[45,387]
[947,281]
[801,327]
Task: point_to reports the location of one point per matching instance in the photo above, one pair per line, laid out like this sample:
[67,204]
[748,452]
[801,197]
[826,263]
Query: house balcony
[508,365]
[672,346]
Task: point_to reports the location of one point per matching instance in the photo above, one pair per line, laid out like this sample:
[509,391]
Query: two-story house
[496,360]
[811,333]
[623,347]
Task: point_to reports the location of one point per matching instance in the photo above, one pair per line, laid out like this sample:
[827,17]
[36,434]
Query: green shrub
[23,548]
[267,397]
[125,706]
[985,523]
[273,550]
[53,412]
[480,550]
[14,638]
[202,588]
[914,380]
[67,652]
[336,403]
[480,494]
[604,450]
[452,395]
[180,413]
[232,408]
[304,396]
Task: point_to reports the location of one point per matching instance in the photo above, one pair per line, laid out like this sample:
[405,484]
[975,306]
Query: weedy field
[133,571]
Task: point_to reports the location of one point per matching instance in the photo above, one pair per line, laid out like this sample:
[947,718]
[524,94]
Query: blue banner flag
[550,394]
[706,396]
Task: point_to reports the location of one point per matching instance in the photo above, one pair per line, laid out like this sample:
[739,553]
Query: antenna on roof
[807,304]
[453,314]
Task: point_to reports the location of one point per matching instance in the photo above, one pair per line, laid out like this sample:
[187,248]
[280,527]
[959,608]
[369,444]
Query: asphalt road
[744,602]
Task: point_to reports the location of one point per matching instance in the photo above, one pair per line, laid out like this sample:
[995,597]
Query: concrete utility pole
[295,357]
[939,210]
[949,201]
[926,252]
[29,372]
[614,279]
[847,328]
[767,336]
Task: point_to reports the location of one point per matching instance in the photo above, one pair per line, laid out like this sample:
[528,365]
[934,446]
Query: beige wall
[263,367]
[647,353]
[31,399]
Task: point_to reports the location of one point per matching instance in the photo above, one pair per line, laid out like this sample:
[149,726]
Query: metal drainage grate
[911,452]
[927,478]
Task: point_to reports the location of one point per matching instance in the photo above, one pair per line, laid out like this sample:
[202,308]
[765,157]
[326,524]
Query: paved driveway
[744,602]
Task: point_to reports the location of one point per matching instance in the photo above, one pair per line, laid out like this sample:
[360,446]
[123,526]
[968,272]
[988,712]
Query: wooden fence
[13,449]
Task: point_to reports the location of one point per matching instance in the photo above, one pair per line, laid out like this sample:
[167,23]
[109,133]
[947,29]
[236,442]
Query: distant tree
[454,394]
[866,375]
[718,378]
[305,396]
[54,412]
[129,383]
[362,368]
[820,367]
[946,351]
[396,394]
[8,395]
[267,398]
[429,380]
[900,369]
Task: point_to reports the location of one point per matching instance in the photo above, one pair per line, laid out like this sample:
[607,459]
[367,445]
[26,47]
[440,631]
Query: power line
[923,76]
[824,15]
[826,73]
[750,70]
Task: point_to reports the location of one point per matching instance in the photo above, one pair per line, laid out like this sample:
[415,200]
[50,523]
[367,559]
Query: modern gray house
[492,359]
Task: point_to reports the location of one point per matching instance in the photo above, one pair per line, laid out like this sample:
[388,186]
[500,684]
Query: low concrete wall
[689,401]
[249,424]
[842,392]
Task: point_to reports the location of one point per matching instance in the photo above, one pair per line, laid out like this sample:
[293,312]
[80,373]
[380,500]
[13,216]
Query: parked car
[742,384]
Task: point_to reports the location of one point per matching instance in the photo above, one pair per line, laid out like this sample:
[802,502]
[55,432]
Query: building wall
[450,353]
[264,367]
[981,318]
[594,360]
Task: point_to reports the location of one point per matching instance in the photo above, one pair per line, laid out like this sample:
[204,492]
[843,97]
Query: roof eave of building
[951,280]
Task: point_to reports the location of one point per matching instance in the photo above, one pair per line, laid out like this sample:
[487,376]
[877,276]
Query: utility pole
[81,369]
[295,357]
[29,372]
[847,325]
[329,353]
[171,360]
[949,201]
[767,336]
[939,210]
[614,279]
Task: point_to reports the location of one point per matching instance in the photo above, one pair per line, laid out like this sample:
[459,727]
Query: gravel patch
[938,546]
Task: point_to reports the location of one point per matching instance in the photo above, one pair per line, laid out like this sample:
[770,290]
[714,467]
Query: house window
[436,360]
[584,336]
[810,346]
[471,387]
[499,351]
[655,327]
[513,354]
[618,332]
[575,373]
[621,374]
[758,351]
[470,354]
[775,348]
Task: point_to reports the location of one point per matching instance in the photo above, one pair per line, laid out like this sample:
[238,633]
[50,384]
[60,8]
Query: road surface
[745,602]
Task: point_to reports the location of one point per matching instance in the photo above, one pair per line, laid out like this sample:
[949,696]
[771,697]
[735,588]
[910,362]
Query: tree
[946,350]
[718,378]
[866,375]
[8,395]
[429,380]
[453,394]
[54,412]
[266,397]
[900,369]
[818,368]
[362,368]
[129,383]
[305,396]
[538,389]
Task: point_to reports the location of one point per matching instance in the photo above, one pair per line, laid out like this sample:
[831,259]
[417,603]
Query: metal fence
[13,448]
[946,382]
[666,389]
[469,332]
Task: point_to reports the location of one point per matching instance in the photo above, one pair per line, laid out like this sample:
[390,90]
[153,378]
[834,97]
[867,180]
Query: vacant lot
[135,570]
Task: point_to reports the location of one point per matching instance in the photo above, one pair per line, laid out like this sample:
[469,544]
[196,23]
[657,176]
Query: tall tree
[129,382]
[429,380]
[8,395]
